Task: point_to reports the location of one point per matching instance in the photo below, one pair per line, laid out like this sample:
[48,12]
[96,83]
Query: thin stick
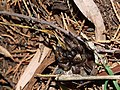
[64,22]
[34,19]
[40,21]
[27,8]
[47,85]
[115,10]
[40,2]
[7,80]
[115,35]
[79,77]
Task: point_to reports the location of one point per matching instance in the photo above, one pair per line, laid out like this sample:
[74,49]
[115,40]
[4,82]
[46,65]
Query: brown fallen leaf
[31,68]
[5,52]
[91,11]
[39,70]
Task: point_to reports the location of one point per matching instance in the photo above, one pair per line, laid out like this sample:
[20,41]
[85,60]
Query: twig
[105,51]
[64,21]
[79,77]
[7,80]
[43,7]
[42,22]
[24,51]
[114,60]
[27,8]
[115,10]
[5,35]
[34,19]
[19,64]
[7,23]
[48,82]
[115,35]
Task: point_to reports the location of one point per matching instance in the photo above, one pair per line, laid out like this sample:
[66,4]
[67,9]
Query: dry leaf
[5,52]
[91,11]
[39,70]
[31,68]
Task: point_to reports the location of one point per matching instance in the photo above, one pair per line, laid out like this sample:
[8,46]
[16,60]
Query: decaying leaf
[5,52]
[31,68]
[39,70]
[91,11]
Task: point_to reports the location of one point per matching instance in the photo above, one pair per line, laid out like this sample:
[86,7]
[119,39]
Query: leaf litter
[49,44]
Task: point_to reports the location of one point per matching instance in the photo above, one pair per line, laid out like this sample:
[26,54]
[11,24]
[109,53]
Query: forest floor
[58,45]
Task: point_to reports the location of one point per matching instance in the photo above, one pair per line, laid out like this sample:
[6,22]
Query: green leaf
[105,85]
[116,85]
[114,81]
[109,70]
